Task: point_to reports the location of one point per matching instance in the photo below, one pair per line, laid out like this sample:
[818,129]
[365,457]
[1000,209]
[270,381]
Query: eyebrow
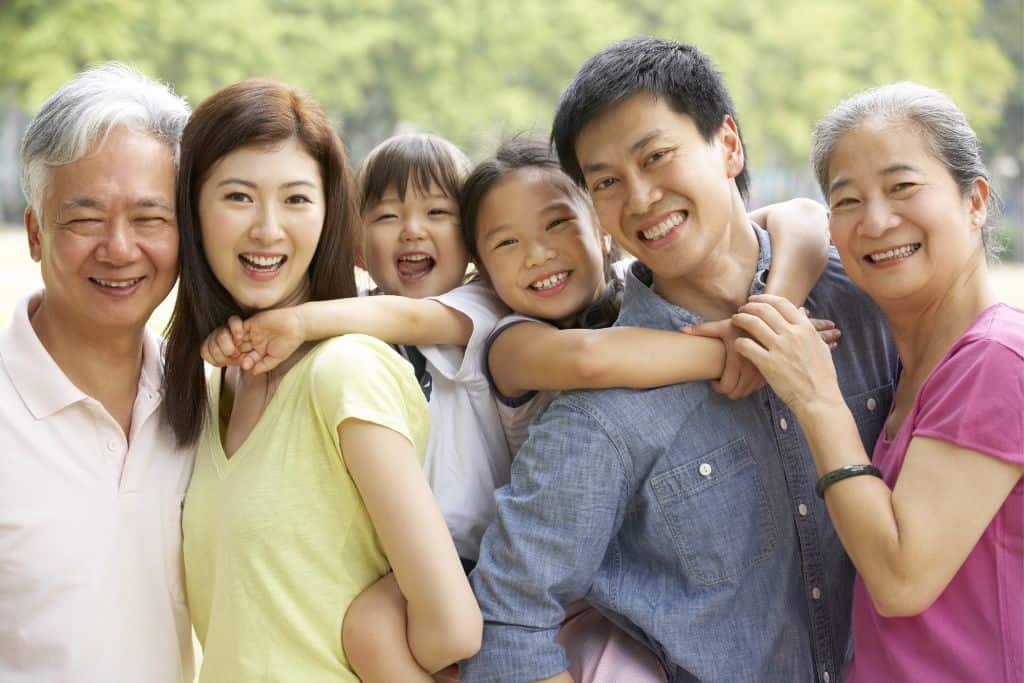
[93,203]
[249,183]
[644,140]
[841,182]
[552,207]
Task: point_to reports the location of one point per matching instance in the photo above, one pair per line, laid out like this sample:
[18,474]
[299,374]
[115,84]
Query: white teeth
[414,257]
[267,262]
[550,281]
[899,252]
[117,284]
[662,228]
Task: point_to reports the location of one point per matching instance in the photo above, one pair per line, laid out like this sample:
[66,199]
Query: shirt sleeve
[360,377]
[973,400]
[481,305]
[554,523]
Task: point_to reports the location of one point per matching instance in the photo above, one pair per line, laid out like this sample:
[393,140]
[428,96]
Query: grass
[19,275]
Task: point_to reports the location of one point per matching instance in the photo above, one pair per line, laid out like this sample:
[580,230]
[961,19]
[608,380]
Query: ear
[32,229]
[978,202]
[728,136]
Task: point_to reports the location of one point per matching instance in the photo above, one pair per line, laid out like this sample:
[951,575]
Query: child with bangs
[543,262]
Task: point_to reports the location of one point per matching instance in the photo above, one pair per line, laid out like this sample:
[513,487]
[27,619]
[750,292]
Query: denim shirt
[688,519]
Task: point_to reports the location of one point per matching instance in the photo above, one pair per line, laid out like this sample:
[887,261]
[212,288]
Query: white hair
[84,110]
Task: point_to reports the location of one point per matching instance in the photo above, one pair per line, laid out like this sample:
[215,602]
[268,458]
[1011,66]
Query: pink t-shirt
[974,398]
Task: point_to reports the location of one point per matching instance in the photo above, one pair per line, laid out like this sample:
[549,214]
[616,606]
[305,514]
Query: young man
[91,483]
[688,519]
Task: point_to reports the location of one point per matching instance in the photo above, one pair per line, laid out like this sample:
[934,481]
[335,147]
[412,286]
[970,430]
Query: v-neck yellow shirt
[277,540]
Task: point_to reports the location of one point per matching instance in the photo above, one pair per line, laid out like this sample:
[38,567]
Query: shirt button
[112,445]
[704,469]
[825,677]
[872,404]
[783,424]
[816,593]
[802,509]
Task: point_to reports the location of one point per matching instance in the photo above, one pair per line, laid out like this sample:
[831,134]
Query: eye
[843,203]
[437,212]
[382,217]
[603,184]
[150,220]
[504,243]
[903,187]
[298,199]
[238,197]
[559,221]
[656,157]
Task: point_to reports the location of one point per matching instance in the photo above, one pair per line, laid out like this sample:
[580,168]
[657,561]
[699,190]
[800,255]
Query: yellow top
[277,540]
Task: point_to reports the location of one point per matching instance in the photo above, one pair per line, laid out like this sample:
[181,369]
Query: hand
[827,330]
[788,351]
[270,338]
[225,345]
[740,377]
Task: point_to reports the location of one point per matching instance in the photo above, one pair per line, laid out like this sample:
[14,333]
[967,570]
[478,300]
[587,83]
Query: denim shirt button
[816,593]
[783,424]
[872,404]
[802,509]
[704,469]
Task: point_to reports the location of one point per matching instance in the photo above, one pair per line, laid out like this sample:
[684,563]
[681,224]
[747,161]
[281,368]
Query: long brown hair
[254,112]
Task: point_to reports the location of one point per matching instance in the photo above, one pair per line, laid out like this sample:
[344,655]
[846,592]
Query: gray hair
[85,109]
[949,136]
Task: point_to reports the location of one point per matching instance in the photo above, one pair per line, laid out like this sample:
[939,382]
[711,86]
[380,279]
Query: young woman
[308,484]
[936,529]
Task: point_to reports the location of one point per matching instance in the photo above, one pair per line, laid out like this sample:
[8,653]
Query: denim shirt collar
[642,307]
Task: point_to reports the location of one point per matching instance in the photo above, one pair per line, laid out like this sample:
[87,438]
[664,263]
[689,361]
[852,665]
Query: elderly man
[91,483]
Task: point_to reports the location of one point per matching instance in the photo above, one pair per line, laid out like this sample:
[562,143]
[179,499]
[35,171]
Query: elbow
[448,638]
[589,366]
[465,637]
[901,598]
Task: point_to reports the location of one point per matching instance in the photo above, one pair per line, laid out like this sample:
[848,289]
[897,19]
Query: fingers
[785,307]
[714,328]
[237,329]
[820,324]
[219,348]
[755,327]
[753,352]
[768,313]
[749,382]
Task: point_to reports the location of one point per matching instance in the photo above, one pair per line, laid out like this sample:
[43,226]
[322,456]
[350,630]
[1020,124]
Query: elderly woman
[936,528]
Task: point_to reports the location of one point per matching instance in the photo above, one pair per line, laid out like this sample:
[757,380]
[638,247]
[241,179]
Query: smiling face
[108,245]
[539,247]
[662,191]
[902,227]
[261,212]
[413,247]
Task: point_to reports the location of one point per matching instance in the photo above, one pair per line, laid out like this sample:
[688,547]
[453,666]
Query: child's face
[414,247]
[539,248]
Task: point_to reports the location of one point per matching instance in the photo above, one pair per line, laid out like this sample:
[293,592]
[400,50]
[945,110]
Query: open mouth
[262,264]
[415,266]
[662,229]
[550,282]
[116,284]
[893,254]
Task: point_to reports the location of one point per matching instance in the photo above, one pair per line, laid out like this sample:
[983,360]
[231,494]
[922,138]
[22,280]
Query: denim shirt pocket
[870,410]
[717,513]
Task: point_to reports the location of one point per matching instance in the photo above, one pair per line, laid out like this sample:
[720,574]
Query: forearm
[641,358]
[393,319]
[799,235]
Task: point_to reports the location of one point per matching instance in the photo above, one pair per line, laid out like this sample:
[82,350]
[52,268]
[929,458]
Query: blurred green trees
[474,69]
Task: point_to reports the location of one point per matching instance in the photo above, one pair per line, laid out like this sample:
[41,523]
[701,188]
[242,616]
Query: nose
[267,228]
[538,252]
[878,218]
[642,195]
[119,247]
[412,230]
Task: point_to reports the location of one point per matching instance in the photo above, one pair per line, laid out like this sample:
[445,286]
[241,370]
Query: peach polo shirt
[91,579]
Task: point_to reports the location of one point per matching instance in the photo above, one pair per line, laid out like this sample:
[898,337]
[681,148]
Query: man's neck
[104,364]
[721,284]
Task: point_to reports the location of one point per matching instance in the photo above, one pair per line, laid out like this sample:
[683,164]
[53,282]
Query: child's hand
[270,338]
[739,377]
[225,345]
[827,330]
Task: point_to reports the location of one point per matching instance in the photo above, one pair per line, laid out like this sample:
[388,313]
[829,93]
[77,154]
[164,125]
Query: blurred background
[475,70]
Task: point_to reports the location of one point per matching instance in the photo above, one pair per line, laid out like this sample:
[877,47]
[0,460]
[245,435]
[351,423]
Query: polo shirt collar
[38,379]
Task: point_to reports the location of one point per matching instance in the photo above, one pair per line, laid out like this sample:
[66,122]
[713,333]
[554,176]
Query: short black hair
[681,74]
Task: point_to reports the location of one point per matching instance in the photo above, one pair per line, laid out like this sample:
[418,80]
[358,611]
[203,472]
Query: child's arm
[799,233]
[265,340]
[535,356]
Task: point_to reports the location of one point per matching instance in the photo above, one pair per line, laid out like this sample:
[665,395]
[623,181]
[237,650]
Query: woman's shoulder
[361,355]
[1000,326]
